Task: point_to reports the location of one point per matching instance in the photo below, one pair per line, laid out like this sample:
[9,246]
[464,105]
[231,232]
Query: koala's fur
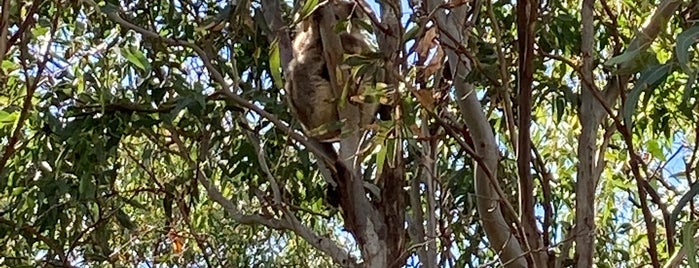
[313,97]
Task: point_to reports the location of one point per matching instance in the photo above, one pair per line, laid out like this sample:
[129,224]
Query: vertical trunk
[392,182]
[489,208]
[591,114]
[586,177]
[378,226]
[393,208]
[527,11]
[488,202]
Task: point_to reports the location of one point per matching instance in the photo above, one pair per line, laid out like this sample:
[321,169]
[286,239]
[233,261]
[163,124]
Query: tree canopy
[521,134]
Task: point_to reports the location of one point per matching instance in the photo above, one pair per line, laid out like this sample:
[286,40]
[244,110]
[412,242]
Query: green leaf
[411,33]
[7,118]
[275,65]
[216,23]
[135,57]
[631,62]
[654,148]
[9,66]
[380,159]
[124,220]
[685,40]
[650,79]
[39,31]
[688,90]
[625,57]
[308,8]
[87,187]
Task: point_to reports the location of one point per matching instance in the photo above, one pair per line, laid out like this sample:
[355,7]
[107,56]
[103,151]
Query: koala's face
[346,9]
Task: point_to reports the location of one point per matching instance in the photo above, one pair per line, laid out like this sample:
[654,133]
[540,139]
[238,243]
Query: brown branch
[272,14]
[4,26]
[322,243]
[10,149]
[227,91]
[647,215]
[527,12]
[30,231]
[545,180]
[504,92]
[28,21]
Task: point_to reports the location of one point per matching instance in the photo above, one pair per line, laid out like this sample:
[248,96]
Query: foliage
[158,133]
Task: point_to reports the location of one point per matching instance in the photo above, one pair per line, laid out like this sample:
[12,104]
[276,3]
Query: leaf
[380,159]
[135,57]
[435,63]
[39,31]
[124,220]
[427,42]
[411,33]
[631,62]
[362,24]
[177,242]
[625,57]
[685,40]
[134,203]
[655,150]
[87,187]
[560,105]
[425,98]
[216,23]
[682,175]
[357,60]
[650,79]
[275,65]
[9,66]
[7,118]
[308,8]
[688,241]
[688,90]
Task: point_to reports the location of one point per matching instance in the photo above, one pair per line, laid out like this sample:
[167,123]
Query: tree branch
[10,149]
[30,231]
[291,223]
[493,222]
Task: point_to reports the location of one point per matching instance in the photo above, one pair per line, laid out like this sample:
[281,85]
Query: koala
[312,95]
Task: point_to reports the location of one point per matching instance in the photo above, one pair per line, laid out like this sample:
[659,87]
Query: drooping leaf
[307,9]
[136,57]
[650,79]
[124,220]
[685,40]
[7,118]
[275,66]
[633,61]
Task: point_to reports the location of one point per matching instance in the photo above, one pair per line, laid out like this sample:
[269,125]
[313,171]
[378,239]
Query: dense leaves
[157,132]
